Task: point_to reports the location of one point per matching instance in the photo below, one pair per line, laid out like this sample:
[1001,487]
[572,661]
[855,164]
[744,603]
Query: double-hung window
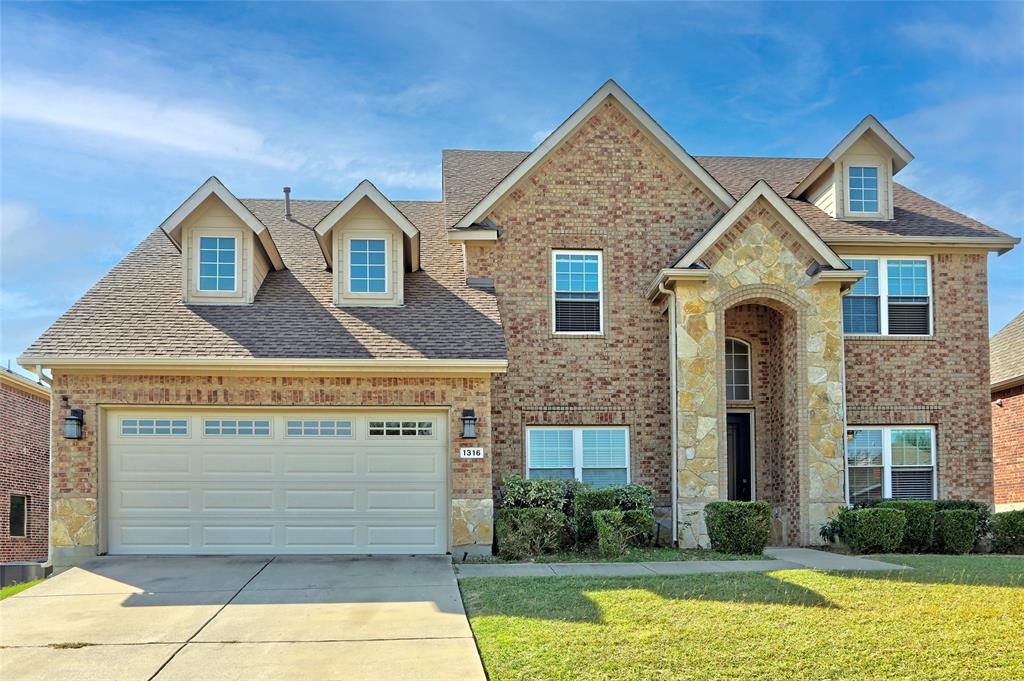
[890,462]
[863,189]
[577,293]
[367,260]
[598,456]
[893,298]
[217,262]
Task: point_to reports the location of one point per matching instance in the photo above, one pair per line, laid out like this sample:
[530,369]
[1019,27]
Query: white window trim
[222,419]
[347,264]
[214,234]
[887,458]
[750,371]
[577,448]
[881,182]
[600,291]
[883,296]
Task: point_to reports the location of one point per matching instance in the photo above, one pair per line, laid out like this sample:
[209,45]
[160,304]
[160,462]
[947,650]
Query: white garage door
[276,481]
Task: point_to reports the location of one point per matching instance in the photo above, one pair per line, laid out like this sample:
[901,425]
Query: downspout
[842,378]
[38,371]
[673,404]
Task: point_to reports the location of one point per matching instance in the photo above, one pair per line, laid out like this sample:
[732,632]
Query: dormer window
[368,271]
[863,186]
[217,262]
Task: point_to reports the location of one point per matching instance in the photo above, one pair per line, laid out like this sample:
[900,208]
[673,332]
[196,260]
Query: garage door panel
[332,489]
[320,499]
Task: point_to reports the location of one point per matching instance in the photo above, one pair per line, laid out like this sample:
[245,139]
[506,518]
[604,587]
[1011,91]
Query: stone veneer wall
[760,261]
[608,187]
[76,463]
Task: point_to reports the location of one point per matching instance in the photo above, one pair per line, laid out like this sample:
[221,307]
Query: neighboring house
[1007,358]
[275,376]
[24,468]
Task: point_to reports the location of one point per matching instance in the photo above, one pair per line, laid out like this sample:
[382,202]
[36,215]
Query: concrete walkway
[220,618]
[785,559]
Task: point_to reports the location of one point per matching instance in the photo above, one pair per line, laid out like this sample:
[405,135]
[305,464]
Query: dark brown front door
[738,438]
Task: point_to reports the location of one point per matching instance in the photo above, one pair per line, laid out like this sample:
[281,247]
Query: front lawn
[952,617]
[9,591]
[633,554]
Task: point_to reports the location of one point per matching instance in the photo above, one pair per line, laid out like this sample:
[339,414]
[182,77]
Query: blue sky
[113,114]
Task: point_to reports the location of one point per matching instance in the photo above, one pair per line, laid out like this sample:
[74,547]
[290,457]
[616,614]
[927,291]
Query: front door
[740,473]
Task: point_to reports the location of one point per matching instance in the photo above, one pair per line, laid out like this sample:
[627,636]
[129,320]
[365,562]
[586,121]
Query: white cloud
[136,119]
[998,40]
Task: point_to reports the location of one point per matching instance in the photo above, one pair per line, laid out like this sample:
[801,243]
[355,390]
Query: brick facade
[24,469]
[608,187]
[1008,447]
[77,465]
[941,381]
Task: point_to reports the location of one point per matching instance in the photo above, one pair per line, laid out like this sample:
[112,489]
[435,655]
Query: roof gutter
[1008,383]
[1001,244]
[246,365]
[673,274]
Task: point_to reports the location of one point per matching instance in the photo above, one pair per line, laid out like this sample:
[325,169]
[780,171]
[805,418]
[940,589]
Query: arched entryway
[763,409]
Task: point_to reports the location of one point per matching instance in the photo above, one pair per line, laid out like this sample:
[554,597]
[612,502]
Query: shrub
[611,532]
[587,501]
[956,529]
[528,532]
[519,492]
[1008,532]
[874,530]
[639,524]
[832,530]
[919,534]
[980,507]
[634,497]
[742,527]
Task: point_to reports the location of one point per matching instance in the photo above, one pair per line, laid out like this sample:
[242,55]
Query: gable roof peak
[761,189]
[172,225]
[869,125]
[609,89]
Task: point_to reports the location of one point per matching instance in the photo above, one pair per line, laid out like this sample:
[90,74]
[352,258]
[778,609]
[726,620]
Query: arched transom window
[737,369]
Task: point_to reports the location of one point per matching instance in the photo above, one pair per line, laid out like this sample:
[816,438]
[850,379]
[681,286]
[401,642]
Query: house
[1007,360]
[274,376]
[24,468]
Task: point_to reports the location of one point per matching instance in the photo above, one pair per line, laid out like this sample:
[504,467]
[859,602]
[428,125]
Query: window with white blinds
[890,462]
[893,298]
[596,456]
[576,292]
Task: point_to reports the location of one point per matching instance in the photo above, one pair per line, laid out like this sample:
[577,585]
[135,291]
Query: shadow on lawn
[569,598]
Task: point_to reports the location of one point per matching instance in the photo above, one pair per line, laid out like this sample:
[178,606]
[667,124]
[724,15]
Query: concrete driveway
[241,617]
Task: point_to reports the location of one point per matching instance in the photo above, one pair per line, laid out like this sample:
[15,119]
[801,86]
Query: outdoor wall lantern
[73,424]
[468,423]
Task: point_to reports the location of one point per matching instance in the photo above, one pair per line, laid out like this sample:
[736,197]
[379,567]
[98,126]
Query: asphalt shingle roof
[136,310]
[1006,351]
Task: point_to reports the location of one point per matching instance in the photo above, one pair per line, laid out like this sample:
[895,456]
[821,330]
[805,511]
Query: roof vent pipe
[288,202]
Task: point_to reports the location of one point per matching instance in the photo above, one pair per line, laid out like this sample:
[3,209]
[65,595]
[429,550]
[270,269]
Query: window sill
[879,337]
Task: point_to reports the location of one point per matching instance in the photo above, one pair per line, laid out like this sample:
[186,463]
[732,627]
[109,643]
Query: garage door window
[328,428]
[154,426]
[402,428]
[234,427]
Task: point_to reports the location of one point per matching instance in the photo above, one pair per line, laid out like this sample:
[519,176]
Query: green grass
[952,617]
[9,591]
[634,554]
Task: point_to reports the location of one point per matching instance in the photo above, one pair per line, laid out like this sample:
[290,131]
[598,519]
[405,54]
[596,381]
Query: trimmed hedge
[742,527]
[529,532]
[920,531]
[1008,532]
[956,530]
[587,501]
[981,508]
[557,495]
[634,497]
[617,529]
[874,530]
